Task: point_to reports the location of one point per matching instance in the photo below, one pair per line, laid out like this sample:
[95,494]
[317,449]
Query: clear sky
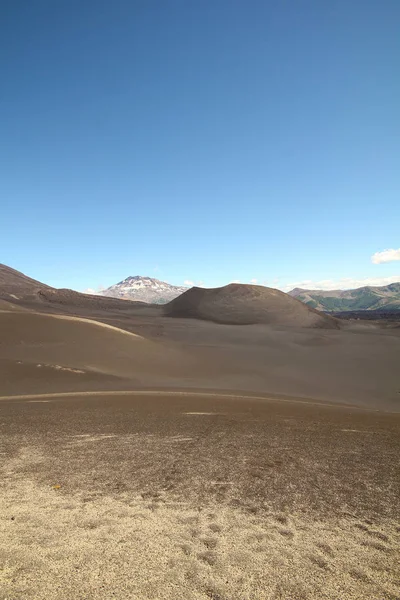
[200,140]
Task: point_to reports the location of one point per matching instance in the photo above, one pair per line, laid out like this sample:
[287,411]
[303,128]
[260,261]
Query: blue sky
[202,141]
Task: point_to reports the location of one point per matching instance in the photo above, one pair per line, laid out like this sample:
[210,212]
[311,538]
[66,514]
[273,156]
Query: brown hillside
[18,290]
[15,284]
[245,305]
[71,298]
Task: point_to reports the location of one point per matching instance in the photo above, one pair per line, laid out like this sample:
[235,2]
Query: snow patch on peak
[144,289]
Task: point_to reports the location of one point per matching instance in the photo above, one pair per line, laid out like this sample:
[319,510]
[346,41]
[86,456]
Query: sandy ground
[277,479]
[355,365]
[197,497]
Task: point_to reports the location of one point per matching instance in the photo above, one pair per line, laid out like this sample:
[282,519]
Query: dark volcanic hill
[246,304]
[16,285]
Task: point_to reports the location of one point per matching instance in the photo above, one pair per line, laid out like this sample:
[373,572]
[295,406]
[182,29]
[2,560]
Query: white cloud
[235,281]
[190,283]
[98,290]
[339,284]
[386,256]
[253,281]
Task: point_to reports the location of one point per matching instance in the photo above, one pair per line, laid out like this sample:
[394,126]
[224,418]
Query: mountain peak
[144,289]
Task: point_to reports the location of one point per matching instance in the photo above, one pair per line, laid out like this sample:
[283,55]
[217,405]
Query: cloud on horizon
[99,289]
[190,283]
[385,256]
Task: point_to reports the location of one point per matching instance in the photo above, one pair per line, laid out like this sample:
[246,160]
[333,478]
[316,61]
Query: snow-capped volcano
[144,289]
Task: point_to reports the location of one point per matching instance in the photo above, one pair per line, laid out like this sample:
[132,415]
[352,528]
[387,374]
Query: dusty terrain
[197,496]
[355,365]
[150,457]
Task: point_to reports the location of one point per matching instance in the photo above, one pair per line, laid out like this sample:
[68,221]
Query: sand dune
[357,367]
[40,351]
[47,377]
[7,306]
[30,327]
[246,304]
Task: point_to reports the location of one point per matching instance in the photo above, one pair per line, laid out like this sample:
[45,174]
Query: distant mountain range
[154,291]
[144,289]
[15,286]
[385,298]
